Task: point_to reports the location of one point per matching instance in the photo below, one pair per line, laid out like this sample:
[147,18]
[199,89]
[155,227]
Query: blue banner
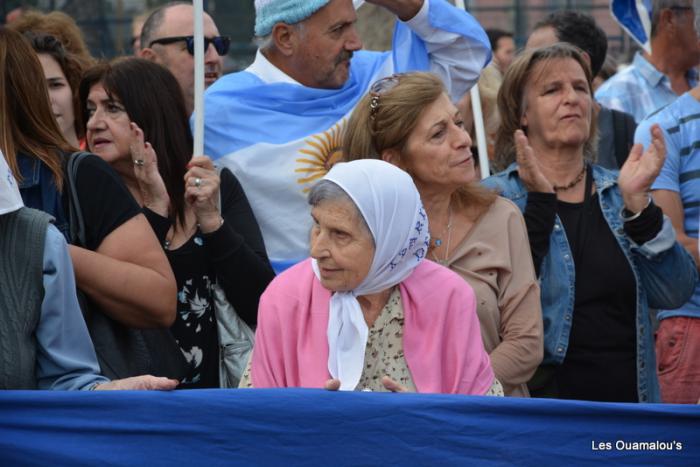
[314,427]
[635,17]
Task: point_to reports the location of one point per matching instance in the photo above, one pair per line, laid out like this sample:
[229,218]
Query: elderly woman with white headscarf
[367,311]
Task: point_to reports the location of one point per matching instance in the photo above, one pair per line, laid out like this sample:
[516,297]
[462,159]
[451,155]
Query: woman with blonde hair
[604,252]
[409,121]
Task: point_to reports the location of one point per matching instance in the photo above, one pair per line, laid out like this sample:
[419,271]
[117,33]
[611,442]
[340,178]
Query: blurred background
[107,24]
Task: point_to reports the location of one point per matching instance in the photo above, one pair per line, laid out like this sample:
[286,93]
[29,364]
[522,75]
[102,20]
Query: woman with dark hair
[604,252]
[120,268]
[136,120]
[62,71]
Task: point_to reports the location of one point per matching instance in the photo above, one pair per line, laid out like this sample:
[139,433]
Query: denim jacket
[39,191]
[664,272]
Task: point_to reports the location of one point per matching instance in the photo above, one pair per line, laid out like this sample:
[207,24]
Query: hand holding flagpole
[198,129]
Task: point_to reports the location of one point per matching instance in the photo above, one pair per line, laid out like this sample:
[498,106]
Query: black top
[540,212]
[105,201]
[600,363]
[235,257]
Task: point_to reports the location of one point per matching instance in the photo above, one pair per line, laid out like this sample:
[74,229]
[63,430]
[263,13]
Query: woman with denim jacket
[603,251]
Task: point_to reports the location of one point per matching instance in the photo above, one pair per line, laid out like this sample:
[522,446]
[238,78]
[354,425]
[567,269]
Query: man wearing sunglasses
[167,38]
[279,124]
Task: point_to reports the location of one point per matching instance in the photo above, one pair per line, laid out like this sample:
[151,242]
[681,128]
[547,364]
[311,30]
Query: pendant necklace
[438,241]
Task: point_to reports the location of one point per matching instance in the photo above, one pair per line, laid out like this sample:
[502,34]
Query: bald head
[173,21]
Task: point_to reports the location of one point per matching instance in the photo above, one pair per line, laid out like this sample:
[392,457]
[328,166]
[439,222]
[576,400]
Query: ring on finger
[197,182]
[139,162]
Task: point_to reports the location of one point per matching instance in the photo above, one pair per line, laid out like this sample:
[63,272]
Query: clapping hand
[153,192]
[202,193]
[640,170]
[528,168]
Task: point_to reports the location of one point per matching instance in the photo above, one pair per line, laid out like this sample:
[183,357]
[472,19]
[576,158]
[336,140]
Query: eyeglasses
[221,43]
[380,87]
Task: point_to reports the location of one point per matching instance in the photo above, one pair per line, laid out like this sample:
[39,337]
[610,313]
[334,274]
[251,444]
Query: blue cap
[270,12]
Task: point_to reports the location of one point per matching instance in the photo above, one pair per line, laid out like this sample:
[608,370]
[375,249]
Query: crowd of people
[339,213]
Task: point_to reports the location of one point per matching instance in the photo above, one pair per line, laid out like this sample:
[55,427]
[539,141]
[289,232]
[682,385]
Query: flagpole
[478,119]
[198,130]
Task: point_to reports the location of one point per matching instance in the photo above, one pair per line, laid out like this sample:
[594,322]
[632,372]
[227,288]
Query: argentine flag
[635,17]
[280,138]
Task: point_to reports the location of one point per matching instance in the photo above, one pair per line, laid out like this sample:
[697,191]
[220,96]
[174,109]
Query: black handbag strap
[75,214]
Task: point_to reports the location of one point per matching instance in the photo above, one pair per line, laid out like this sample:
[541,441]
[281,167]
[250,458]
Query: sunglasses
[221,43]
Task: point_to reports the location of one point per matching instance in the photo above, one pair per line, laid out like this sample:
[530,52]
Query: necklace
[574,182]
[438,241]
[171,235]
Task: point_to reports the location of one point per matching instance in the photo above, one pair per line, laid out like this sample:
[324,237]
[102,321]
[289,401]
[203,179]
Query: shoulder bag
[236,338]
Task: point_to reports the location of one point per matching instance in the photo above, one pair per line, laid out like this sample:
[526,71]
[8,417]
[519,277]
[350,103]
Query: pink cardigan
[442,340]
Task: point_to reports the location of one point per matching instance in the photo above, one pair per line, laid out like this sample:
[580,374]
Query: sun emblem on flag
[321,152]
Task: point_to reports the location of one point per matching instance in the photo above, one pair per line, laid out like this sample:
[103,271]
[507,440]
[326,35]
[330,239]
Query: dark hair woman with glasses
[136,120]
[409,121]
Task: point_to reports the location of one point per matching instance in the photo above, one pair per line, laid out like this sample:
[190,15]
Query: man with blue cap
[279,124]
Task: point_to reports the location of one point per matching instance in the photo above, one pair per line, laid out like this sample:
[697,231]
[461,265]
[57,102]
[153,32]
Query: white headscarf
[10,200]
[390,204]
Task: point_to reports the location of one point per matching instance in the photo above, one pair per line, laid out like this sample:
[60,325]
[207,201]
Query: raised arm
[237,251]
[668,272]
[457,45]
[232,238]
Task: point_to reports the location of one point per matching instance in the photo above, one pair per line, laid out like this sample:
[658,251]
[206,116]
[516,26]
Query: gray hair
[658,5]
[327,191]
[267,42]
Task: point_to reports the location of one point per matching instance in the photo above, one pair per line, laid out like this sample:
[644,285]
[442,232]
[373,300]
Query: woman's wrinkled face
[108,132]
[60,95]
[438,151]
[341,244]
[558,105]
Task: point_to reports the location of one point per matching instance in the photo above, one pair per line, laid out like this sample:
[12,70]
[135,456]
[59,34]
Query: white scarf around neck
[390,205]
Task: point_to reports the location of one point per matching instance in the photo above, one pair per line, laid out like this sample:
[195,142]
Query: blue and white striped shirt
[680,122]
